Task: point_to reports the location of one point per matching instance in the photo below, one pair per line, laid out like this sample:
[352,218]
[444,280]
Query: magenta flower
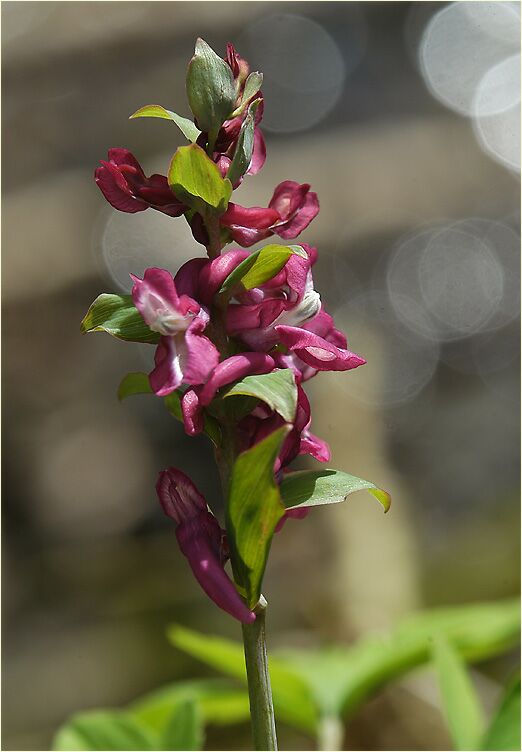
[201,540]
[319,353]
[184,355]
[229,370]
[287,299]
[126,188]
[291,209]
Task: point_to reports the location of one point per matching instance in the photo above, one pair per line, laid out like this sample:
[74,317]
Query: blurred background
[405,118]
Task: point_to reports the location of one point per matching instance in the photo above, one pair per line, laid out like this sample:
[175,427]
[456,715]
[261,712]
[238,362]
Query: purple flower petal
[200,539]
[178,496]
[234,368]
[192,412]
[288,197]
[114,187]
[167,376]
[201,356]
[301,219]
[316,351]
[209,572]
[213,274]
[258,153]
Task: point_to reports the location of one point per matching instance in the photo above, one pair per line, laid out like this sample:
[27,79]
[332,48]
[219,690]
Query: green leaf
[219,701]
[185,125]
[117,315]
[210,425]
[253,510]
[292,699]
[134,383]
[196,180]
[459,699]
[277,389]
[504,731]
[245,146]
[259,267]
[342,678]
[310,488]
[210,89]
[252,86]
[104,730]
[184,729]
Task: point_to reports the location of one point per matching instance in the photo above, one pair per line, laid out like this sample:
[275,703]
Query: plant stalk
[259,690]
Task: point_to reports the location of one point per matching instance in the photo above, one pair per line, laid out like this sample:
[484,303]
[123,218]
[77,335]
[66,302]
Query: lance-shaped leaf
[117,315]
[196,180]
[252,86]
[210,88]
[184,730]
[245,146]
[504,731]
[220,701]
[292,699]
[254,508]
[104,730]
[459,699]
[185,125]
[310,488]
[341,678]
[259,267]
[277,389]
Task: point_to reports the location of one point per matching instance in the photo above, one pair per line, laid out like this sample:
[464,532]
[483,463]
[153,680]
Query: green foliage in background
[315,691]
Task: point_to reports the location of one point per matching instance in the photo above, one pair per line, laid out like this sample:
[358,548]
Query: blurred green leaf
[292,698]
[184,729]
[504,731]
[134,383]
[307,488]
[459,699]
[117,315]
[277,389]
[219,701]
[104,730]
[342,678]
[185,125]
[244,147]
[196,180]
[253,510]
[259,267]
[210,89]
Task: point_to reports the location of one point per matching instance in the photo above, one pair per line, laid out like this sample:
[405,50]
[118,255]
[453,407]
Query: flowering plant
[237,335]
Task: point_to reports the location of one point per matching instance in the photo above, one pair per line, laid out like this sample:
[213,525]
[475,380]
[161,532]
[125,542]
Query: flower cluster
[215,328]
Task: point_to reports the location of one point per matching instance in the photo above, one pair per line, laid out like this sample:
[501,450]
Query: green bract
[245,146]
[210,89]
[254,508]
[307,488]
[134,383]
[117,315]
[277,389]
[252,86]
[196,180]
[185,125]
[259,267]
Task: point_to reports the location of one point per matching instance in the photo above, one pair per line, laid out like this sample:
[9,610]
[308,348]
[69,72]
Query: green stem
[259,691]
